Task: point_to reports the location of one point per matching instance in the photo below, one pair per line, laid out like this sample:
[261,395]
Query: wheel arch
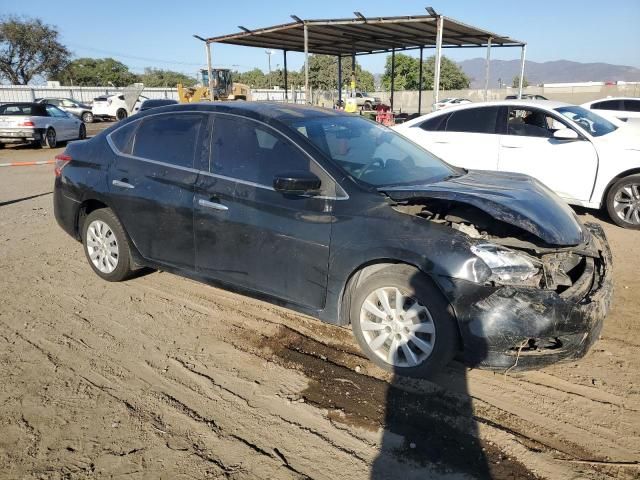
[626,173]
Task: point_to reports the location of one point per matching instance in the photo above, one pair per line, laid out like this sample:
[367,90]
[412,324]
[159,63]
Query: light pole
[269,53]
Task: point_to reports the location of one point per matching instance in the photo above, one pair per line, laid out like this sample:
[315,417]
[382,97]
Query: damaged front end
[537,303]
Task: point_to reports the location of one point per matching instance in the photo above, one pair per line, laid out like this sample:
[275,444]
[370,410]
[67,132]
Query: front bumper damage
[525,327]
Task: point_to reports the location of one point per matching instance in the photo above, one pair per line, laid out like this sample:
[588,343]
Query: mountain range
[547,72]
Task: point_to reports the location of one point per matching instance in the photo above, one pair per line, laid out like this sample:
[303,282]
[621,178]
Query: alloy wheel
[626,203]
[397,327]
[102,246]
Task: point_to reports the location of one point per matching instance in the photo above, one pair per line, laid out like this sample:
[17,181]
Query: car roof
[610,98]
[264,111]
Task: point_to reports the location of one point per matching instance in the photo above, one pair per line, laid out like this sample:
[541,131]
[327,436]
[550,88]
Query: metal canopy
[366,35]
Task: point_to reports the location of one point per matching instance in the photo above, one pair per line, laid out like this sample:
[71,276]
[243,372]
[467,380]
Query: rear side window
[434,124]
[122,138]
[473,120]
[607,105]
[632,106]
[168,138]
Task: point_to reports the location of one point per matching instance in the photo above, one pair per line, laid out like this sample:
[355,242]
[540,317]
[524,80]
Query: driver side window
[530,122]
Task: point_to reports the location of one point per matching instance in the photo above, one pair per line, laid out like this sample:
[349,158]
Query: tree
[156,77]
[323,74]
[516,82]
[29,48]
[96,71]
[407,74]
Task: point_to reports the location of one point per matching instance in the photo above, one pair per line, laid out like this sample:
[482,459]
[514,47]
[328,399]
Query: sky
[159,33]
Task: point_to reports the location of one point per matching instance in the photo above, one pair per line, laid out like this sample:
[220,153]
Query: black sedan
[343,219]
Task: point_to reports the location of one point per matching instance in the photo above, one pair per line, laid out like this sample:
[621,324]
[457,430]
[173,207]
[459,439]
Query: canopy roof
[363,35]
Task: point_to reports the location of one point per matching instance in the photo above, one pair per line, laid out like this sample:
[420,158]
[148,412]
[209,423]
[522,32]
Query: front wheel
[106,246]
[121,114]
[623,202]
[403,323]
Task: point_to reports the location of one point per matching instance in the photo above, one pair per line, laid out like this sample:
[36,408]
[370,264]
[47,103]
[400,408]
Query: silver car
[79,109]
[39,124]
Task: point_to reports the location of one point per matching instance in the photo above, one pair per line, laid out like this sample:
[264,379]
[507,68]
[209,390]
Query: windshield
[593,123]
[373,153]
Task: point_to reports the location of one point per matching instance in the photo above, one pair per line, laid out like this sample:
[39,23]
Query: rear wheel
[87,117]
[403,323]
[106,246]
[121,114]
[50,138]
[368,105]
[623,202]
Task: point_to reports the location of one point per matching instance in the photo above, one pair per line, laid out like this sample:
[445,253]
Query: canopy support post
[286,80]
[306,64]
[436,72]
[522,57]
[487,67]
[353,75]
[393,75]
[420,83]
[339,80]
[209,71]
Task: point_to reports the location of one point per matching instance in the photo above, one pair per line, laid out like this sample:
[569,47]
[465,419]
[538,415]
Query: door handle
[120,183]
[215,205]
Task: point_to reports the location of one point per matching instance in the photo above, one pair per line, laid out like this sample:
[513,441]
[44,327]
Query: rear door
[252,236]
[152,183]
[568,167]
[463,137]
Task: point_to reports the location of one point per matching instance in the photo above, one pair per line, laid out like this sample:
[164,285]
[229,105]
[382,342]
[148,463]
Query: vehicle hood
[512,198]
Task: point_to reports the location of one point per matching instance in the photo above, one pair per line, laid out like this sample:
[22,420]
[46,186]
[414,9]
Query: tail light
[61,161]
[27,123]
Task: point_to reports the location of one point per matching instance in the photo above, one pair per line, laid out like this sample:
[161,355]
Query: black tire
[50,138]
[87,117]
[616,193]
[368,105]
[82,133]
[1,145]
[121,114]
[123,269]
[412,283]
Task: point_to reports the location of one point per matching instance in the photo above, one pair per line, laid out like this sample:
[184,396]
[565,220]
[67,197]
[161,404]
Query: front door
[568,167]
[250,235]
[152,183]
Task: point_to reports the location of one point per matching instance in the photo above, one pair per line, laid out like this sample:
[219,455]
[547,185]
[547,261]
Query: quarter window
[632,105]
[248,151]
[122,138]
[435,124]
[168,138]
[473,120]
[607,105]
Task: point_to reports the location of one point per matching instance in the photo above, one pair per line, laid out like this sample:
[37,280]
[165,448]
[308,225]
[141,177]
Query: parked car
[449,102]
[39,124]
[526,96]
[156,102]
[621,108]
[113,107]
[69,105]
[343,219]
[584,158]
[366,101]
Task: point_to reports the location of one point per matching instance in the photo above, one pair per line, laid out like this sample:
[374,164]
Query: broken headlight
[507,266]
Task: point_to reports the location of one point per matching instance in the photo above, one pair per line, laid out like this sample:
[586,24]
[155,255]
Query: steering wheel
[375,164]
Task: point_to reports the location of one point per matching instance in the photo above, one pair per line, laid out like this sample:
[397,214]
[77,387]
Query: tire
[1,145]
[623,202]
[106,246]
[50,138]
[82,133]
[368,106]
[121,114]
[438,329]
[87,117]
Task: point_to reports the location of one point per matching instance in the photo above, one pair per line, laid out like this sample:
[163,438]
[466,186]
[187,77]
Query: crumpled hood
[513,198]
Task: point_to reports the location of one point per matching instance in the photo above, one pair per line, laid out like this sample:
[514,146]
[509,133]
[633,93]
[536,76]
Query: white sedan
[621,108]
[587,159]
[449,102]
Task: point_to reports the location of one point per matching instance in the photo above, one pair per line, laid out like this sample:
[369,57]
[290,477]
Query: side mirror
[565,134]
[296,183]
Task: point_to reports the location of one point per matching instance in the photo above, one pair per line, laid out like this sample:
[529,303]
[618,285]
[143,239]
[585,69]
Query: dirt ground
[164,377]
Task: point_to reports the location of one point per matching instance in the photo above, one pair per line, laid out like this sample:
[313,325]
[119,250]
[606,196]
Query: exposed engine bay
[559,267]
